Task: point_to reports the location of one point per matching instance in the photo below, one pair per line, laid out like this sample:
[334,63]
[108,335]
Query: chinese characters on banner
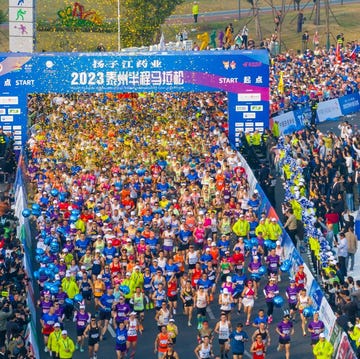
[21,25]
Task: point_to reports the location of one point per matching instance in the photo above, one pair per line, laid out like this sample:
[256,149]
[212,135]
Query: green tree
[141,20]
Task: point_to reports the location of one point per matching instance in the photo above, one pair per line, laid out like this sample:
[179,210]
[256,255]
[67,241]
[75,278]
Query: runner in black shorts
[92,331]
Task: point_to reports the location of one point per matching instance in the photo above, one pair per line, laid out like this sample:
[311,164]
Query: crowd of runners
[141,205]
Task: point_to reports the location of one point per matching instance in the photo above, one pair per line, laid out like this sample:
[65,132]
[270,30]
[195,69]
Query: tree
[141,20]
[255,11]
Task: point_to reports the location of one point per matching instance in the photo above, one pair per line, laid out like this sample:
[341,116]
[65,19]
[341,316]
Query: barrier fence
[24,233]
[292,121]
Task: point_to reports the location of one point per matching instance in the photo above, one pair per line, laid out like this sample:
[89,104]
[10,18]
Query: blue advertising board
[350,103]
[244,75]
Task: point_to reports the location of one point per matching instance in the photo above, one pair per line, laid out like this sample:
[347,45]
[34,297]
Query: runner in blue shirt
[237,341]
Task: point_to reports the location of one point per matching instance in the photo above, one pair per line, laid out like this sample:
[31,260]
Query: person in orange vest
[162,341]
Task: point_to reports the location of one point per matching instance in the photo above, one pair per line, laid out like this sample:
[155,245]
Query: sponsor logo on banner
[249,115]
[2,111]
[9,100]
[244,97]
[7,119]
[329,110]
[14,111]
[286,122]
[241,108]
[256,108]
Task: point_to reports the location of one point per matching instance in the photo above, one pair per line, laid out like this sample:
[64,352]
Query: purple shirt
[318,327]
[81,319]
[273,262]
[122,310]
[270,291]
[285,328]
[255,266]
[292,294]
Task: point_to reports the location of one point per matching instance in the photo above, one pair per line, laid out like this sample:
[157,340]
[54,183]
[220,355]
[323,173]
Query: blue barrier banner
[329,110]
[244,75]
[290,122]
[350,103]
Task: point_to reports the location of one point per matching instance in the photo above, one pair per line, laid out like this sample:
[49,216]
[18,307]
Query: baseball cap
[56,325]
[64,332]
[321,335]
[172,320]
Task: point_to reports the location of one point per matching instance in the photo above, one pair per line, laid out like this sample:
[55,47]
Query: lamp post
[118,24]
[239,9]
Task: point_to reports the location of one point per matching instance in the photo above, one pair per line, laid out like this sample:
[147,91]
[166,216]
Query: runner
[173,330]
[204,349]
[237,341]
[93,332]
[265,334]
[121,339]
[187,296]
[133,328]
[223,329]
[248,296]
[270,291]
[258,348]
[162,341]
[292,297]
[201,300]
[285,330]
[315,327]
[82,319]
[304,301]
[162,316]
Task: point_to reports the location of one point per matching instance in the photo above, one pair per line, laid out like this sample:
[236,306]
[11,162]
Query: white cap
[278,243]
[64,332]
[82,307]
[321,335]
[99,276]
[56,325]
[225,291]
[228,278]
[172,320]
[133,313]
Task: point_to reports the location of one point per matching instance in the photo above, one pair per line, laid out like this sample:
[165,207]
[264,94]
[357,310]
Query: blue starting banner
[244,75]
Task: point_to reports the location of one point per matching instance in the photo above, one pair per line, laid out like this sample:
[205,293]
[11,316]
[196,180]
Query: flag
[281,83]
[338,53]
[162,42]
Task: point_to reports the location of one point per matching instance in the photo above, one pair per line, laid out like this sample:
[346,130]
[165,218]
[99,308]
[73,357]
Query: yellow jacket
[53,342]
[355,336]
[70,287]
[241,228]
[66,348]
[274,231]
[323,349]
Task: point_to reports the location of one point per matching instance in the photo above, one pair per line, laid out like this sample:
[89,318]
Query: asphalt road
[186,341]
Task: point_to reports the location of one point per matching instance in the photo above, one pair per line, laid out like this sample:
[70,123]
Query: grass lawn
[87,41]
